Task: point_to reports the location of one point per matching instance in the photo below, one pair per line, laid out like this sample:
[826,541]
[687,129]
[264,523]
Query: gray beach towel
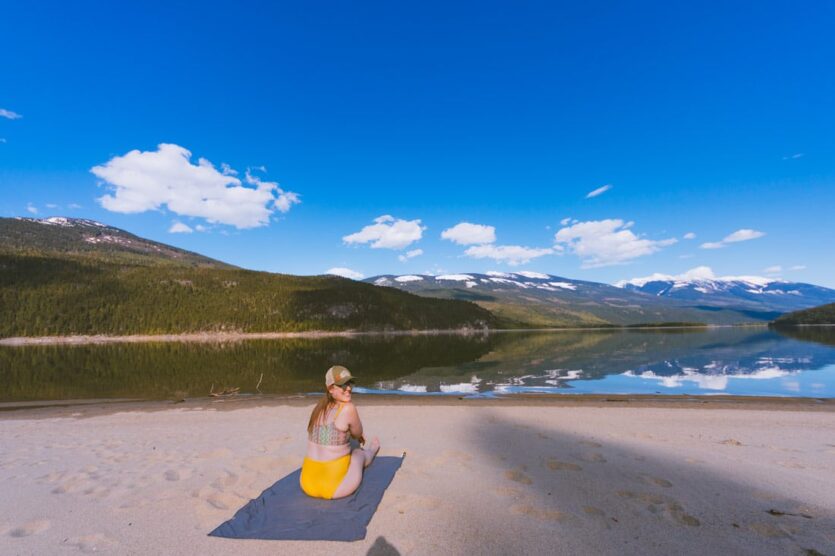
[284,512]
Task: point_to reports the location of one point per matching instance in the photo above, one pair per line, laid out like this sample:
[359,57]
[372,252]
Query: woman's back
[325,432]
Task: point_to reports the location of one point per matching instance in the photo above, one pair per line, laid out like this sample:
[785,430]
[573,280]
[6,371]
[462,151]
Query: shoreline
[218,337]
[47,409]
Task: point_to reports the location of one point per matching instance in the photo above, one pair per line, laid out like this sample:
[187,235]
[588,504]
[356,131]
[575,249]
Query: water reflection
[729,361]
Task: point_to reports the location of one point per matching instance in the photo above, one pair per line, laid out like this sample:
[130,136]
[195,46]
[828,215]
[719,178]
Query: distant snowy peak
[699,277]
[521,280]
[64,222]
[699,284]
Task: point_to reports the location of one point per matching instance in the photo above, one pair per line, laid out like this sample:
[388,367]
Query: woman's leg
[360,459]
[353,477]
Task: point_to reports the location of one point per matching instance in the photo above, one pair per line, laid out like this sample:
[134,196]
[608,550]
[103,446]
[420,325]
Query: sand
[499,477]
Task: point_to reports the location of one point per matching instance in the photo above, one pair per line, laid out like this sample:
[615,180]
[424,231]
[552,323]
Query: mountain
[544,300]
[825,314]
[77,237]
[65,277]
[700,288]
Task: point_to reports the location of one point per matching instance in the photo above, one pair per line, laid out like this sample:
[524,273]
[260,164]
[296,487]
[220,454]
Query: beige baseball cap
[338,375]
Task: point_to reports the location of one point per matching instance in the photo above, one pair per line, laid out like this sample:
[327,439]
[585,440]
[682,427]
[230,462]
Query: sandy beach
[509,476]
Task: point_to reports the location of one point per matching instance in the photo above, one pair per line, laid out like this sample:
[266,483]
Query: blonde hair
[319,410]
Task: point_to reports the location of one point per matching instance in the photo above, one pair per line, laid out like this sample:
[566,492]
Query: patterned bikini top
[326,433]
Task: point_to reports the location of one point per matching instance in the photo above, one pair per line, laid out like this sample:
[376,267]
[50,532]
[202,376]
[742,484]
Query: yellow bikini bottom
[320,479]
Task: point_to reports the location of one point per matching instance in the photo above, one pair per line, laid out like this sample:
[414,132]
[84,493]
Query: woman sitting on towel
[331,469]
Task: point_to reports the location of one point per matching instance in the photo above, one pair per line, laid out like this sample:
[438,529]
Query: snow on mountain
[700,285]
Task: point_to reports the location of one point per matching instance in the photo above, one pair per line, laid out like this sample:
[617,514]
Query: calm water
[723,361]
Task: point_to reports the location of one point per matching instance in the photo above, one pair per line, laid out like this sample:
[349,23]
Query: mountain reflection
[750,361]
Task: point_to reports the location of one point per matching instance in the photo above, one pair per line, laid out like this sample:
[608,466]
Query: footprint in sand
[592,511]
[223,501]
[30,528]
[731,442]
[409,503]
[661,505]
[518,476]
[790,464]
[591,444]
[508,491]
[557,465]
[229,480]
[592,457]
[92,543]
[650,480]
[545,514]
[767,530]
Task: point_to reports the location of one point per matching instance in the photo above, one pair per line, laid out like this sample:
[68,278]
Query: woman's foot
[371,450]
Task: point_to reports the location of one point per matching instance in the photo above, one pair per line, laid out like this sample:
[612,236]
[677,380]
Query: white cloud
[511,254]
[744,234]
[201,228]
[794,156]
[149,180]
[8,114]
[410,255]
[74,206]
[776,269]
[178,227]
[345,273]
[798,267]
[689,235]
[51,206]
[285,199]
[32,208]
[227,170]
[565,221]
[607,242]
[465,233]
[388,232]
[598,191]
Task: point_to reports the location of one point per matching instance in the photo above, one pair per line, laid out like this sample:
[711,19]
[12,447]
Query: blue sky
[703,118]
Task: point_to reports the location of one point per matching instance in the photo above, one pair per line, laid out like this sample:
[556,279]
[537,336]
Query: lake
[735,361]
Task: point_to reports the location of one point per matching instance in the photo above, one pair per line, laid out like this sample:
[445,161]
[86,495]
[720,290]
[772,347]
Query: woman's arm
[353,421]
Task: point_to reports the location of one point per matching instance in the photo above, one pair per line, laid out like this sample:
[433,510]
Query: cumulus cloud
[511,254]
[32,208]
[689,235]
[744,234]
[565,221]
[227,170]
[606,242]
[410,255]
[178,227]
[149,180]
[388,232]
[9,115]
[345,273]
[598,191]
[284,199]
[466,233]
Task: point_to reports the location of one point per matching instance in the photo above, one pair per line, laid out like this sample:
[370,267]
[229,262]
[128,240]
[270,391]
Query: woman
[331,469]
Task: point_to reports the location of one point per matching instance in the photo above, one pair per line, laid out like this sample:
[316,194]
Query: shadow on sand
[568,494]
